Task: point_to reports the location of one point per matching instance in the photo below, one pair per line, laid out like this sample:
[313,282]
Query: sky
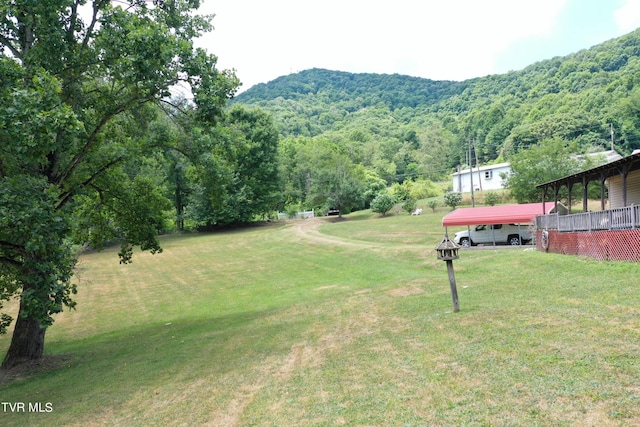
[439,40]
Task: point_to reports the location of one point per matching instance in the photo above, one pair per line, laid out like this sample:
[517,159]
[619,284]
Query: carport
[503,214]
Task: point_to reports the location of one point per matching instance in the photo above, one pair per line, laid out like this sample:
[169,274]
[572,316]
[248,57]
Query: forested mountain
[405,127]
[396,91]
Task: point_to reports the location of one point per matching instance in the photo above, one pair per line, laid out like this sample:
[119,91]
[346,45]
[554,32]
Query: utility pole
[475,150]
[611,125]
[473,202]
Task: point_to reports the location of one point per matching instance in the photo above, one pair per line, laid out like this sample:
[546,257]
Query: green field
[325,322]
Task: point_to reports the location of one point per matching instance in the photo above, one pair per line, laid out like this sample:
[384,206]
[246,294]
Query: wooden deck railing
[612,219]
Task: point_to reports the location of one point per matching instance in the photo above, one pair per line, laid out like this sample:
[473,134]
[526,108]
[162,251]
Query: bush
[292,210]
[491,198]
[383,203]
[409,205]
[452,199]
[423,189]
[401,191]
[433,204]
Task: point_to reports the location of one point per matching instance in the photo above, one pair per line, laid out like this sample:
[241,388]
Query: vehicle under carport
[490,215]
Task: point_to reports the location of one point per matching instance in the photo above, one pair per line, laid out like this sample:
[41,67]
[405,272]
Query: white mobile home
[483,178]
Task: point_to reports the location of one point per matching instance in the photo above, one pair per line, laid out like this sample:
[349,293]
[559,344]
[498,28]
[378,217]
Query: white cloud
[627,17]
[452,40]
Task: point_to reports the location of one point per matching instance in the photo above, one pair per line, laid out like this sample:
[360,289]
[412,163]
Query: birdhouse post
[448,251]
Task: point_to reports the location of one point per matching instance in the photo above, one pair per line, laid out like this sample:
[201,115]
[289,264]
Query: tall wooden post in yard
[448,251]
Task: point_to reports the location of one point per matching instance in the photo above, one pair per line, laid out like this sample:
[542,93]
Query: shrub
[423,189]
[491,198]
[409,205]
[452,199]
[383,203]
[292,210]
[401,191]
[433,204]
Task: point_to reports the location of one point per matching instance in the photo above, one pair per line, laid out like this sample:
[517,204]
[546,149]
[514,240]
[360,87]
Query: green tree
[339,184]
[544,162]
[629,127]
[374,185]
[402,192]
[170,133]
[73,110]
[301,160]
[319,174]
[239,177]
[423,189]
[409,205]
[434,150]
[383,203]
[452,199]
[257,178]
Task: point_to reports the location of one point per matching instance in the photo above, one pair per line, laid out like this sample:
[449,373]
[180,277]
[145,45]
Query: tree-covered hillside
[403,127]
[395,91]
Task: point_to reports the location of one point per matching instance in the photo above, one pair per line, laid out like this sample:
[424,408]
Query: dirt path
[308,229]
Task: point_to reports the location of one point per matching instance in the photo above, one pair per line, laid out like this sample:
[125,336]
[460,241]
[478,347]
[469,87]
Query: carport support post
[452,283]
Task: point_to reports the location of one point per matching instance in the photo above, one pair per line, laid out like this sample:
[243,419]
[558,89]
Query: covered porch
[619,183]
[611,233]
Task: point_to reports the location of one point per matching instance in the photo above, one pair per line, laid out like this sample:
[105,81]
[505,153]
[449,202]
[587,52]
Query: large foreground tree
[76,78]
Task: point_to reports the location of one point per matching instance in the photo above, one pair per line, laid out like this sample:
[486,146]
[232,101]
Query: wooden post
[452,283]
[448,251]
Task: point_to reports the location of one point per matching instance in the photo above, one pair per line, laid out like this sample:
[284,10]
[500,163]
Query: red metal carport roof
[504,214]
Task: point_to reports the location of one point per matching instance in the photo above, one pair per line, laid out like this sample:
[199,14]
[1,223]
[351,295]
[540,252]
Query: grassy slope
[341,323]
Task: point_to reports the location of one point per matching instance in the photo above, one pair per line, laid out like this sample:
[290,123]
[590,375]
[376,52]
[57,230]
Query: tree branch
[69,194]
[79,157]
[12,246]
[8,43]
[10,261]
[174,105]
[97,5]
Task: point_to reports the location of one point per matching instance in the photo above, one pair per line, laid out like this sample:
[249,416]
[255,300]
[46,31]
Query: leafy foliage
[492,198]
[395,91]
[319,174]
[452,199]
[236,177]
[383,203]
[542,163]
[409,205]
[405,128]
[35,255]
[76,97]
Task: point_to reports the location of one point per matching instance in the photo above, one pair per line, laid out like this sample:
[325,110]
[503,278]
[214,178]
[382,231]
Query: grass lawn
[327,322]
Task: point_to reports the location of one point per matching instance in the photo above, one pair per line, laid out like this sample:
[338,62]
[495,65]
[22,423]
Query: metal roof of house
[484,168]
[609,155]
[628,163]
[503,214]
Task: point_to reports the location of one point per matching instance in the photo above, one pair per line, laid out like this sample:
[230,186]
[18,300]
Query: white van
[512,234]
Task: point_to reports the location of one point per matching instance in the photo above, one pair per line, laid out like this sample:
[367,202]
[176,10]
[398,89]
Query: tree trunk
[27,343]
